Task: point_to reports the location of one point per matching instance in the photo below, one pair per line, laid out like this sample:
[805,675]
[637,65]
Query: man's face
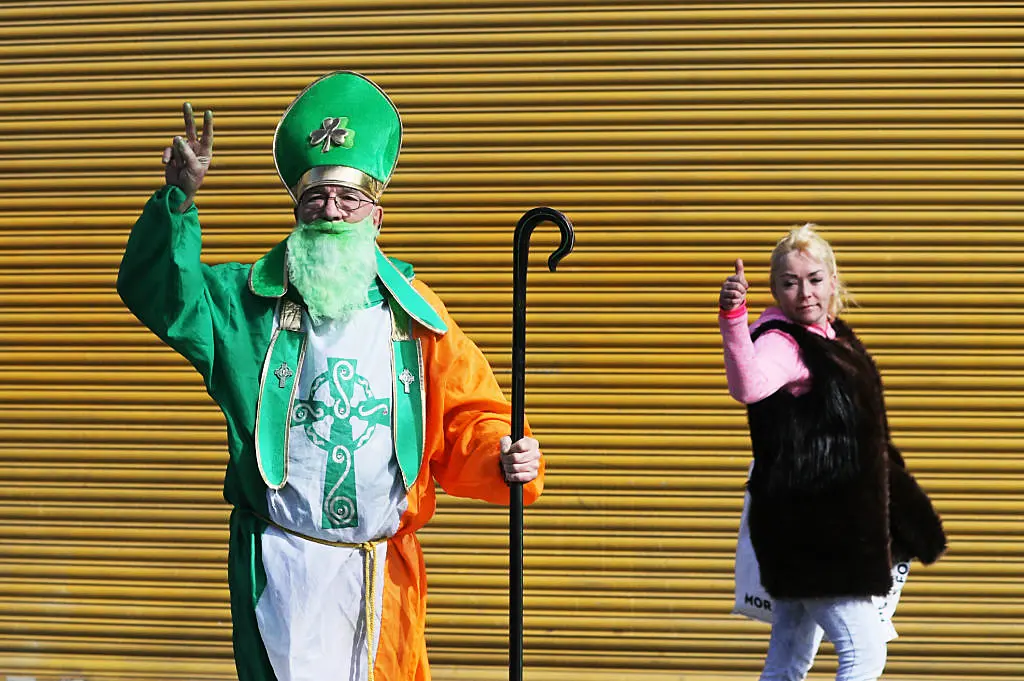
[331,252]
[333,203]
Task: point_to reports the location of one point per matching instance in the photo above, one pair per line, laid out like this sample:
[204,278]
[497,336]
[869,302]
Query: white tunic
[343,485]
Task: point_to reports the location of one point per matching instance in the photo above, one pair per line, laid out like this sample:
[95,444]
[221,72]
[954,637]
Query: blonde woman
[832,505]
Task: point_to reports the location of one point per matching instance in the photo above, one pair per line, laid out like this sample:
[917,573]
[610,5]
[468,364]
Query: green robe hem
[246,581]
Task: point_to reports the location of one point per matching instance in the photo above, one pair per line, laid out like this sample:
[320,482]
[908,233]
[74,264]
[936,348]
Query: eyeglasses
[348,202]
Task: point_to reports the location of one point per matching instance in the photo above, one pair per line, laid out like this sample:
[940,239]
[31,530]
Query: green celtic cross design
[339,417]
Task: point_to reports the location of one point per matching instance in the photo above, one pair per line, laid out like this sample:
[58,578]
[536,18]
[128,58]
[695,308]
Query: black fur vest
[832,504]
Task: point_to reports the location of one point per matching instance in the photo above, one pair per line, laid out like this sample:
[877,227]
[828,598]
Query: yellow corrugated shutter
[677,136]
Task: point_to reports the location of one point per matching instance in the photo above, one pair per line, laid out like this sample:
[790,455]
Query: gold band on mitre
[340,175]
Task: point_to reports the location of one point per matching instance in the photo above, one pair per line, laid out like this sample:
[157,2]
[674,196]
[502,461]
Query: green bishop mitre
[342,130]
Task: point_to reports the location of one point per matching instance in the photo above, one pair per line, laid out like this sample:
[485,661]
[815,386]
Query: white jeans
[852,624]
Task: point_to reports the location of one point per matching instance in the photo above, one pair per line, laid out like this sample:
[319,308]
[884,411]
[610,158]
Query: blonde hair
[805,239]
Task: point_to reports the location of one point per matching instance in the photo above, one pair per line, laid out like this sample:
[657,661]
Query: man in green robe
[347,389]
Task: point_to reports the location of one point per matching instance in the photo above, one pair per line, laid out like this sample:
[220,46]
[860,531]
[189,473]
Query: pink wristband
[733,313]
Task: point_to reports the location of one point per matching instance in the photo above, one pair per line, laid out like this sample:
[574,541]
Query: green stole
[283,362]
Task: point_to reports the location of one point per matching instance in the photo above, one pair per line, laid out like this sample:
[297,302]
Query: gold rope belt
[369,549]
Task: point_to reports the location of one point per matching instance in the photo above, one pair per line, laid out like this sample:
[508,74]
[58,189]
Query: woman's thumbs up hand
[734,289]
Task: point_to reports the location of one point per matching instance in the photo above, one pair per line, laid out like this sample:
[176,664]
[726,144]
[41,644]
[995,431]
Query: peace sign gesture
[188,158]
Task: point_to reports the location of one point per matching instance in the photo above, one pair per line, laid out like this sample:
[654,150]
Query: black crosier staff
[520,259]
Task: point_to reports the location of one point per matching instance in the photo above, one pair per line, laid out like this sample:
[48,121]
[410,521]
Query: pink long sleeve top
[757,369]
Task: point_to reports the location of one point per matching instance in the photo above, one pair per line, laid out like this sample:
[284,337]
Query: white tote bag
[751,600]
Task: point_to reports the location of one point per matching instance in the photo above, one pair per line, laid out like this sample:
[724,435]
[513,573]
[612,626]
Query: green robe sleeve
[164,284]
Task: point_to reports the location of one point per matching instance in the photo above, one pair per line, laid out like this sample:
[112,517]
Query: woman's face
[803,289]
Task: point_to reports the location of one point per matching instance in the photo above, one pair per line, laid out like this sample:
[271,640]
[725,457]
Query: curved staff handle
[520,260]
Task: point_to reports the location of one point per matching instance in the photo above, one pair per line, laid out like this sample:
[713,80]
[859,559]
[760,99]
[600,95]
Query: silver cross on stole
[283,373]
[407,379]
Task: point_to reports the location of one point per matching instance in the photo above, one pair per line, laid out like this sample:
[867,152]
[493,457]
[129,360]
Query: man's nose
[331,210]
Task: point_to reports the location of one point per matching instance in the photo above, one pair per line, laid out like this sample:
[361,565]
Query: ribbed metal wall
[677,136]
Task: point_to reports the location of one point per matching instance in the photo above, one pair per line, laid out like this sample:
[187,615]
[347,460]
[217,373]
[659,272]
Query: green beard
[332,264]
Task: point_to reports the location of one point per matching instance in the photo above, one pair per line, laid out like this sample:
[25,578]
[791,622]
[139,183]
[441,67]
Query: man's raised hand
[188,158]
[734,289]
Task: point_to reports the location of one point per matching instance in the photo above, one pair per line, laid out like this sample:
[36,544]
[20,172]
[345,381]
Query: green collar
[268,278]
